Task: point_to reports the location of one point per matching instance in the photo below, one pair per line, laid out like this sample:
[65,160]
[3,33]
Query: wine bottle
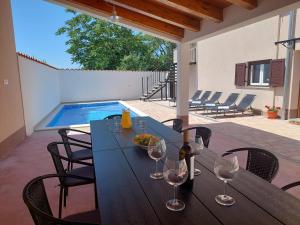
[185,152]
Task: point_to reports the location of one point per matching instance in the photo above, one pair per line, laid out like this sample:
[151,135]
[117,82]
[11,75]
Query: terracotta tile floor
[31,159]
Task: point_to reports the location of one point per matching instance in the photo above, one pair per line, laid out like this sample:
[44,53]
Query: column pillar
[182,95]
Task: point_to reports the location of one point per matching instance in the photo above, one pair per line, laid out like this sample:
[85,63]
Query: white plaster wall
[237,17]
[78,85]
[218,55]
[297,29]
[40,91]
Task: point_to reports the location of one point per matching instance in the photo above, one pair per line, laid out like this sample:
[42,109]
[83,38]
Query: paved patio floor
[31,158]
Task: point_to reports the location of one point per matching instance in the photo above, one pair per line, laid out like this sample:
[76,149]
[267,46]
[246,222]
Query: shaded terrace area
[31,158]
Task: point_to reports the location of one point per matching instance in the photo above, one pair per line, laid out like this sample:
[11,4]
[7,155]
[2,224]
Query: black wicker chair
[35,198]
[177,124]
[201,132]
[86,173]
[84,153]
[113,116]
[260,162]
[291,185]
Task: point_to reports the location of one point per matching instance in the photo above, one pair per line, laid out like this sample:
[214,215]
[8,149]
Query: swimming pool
[83,113]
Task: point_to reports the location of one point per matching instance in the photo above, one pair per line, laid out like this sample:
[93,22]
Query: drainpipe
[285,114]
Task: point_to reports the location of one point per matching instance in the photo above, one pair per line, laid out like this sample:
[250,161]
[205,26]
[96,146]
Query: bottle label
[192,167]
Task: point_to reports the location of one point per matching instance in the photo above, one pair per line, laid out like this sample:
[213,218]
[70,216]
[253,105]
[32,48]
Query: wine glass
[116,124]
[142,125]
[156,150]
[175,173]
[197,146]
[226,168]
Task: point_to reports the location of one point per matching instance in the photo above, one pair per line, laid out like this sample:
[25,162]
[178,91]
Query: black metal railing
[160,81]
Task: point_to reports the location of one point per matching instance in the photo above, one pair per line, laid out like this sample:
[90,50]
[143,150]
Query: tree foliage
[101,45]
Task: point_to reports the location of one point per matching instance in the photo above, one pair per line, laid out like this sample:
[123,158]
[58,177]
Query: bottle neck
[185,137]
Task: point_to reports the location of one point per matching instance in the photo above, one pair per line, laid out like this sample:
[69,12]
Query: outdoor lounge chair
[244,104]
[195,96]
[231,99]
[213,100]
[200,100]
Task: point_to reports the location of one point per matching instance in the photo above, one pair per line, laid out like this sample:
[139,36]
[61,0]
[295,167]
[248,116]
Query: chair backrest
[246,101]
[260,162]
[215,97]
[231,99]
[205,96]
[57,159]
[64,136]
[177,124]
[291,185]
[196,95]
[36,200]
[202,132]
[35,197]
[112,116]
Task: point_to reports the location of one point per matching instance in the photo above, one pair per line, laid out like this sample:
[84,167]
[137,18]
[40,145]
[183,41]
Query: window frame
[261,78]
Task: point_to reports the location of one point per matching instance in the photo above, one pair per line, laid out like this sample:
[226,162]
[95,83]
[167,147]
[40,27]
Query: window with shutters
[259,73]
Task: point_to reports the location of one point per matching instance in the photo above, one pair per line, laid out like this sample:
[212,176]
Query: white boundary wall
[40,91]
[44,88]
[88,85]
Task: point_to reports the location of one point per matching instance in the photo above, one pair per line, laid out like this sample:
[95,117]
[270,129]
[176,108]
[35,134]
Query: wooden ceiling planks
[247,4]
[200,9]
[170,17]
[155,10]
[133,17]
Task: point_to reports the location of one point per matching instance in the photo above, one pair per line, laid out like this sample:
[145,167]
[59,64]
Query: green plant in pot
[272,112]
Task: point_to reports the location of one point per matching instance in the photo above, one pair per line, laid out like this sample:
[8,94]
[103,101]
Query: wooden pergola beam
[156,11]
[196,8]
[138,19]
[248,4]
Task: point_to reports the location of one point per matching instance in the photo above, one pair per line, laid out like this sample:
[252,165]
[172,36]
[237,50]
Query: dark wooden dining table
[128,196]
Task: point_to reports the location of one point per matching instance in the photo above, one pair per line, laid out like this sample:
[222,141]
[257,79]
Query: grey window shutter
[277,73]
[240,74]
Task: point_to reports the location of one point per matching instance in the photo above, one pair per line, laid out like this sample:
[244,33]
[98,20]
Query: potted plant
[272,112]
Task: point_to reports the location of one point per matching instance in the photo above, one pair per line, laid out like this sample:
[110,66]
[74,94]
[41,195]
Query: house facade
[247,61]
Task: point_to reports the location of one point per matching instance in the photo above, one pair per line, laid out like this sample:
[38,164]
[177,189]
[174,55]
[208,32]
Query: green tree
[97,44]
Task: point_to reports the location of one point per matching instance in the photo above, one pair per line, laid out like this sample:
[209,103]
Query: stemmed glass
[142,125]
[156,150]
[175,173]
[197,146]
[226,168]
[116,124]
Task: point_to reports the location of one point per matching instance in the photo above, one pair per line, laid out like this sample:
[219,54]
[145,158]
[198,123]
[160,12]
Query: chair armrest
[291,185]
[84,144]
[79,177]
[233,151]
[72,160]
[81,144]
[79,131]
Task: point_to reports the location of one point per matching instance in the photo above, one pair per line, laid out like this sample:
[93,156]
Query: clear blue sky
[35,24]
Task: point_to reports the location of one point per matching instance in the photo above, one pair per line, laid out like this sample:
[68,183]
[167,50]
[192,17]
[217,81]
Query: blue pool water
[84,113]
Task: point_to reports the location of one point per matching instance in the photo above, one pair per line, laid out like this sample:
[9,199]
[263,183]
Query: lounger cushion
[223,107]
